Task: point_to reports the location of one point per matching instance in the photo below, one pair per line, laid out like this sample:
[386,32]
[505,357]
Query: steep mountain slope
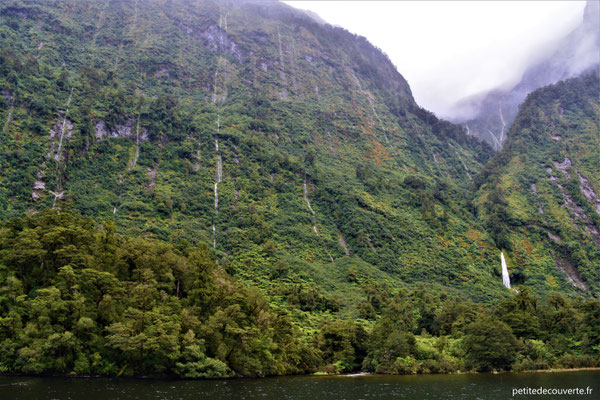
[216,147]
[577,52]
[540,193]
[295,149]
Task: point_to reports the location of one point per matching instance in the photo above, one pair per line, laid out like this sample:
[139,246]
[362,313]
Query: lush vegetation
[387,181]
[78,298]
[346,237]
[539,195]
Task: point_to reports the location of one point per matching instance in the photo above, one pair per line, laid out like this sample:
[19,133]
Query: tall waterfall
[505,277]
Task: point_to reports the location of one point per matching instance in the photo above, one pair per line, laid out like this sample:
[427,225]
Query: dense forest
[78,298]
[233,188]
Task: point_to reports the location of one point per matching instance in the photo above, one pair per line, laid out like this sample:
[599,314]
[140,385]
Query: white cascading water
[58,192]
[120,193]
[503,124]
[378,119]
[305,191]
[8,119]
[62,131]
[505,277]
[219,179]
[282,70]
[137,145]
[495,140]
[464,165]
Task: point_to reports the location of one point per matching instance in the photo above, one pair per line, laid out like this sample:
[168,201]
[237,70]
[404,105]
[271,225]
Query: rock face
[324,160]
[588,192]
[493,112]
[126,129]
[544,190]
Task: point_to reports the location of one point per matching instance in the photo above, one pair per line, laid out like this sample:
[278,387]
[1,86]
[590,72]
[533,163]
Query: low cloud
[449,51]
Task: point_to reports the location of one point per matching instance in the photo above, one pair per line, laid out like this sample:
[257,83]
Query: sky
[449,50]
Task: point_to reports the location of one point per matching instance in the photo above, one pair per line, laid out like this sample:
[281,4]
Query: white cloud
[448,50]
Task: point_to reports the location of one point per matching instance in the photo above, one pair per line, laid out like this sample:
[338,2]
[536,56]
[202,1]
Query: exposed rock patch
[217,39]
[571,273]
[126,129]
[588,192]
[57,129]
[151,174]
[554,237]
[343,244]
[588,224]
[563,166]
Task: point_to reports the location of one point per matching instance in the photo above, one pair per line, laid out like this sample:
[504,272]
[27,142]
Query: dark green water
[477,386]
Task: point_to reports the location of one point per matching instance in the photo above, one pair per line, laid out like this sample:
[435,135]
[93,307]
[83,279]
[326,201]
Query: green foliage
[85,300]
[531,194]
[145,111]
[490,344]
[346,236]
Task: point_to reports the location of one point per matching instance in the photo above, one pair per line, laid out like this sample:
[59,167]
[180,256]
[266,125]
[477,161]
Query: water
[57,157]
[505,277]
[503,124]
[468,386]
[305,193]
[219,178]
[137,145]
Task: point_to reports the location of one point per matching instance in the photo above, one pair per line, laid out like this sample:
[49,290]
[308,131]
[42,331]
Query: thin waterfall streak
[58,192]
[64,125]
[216,198]
[214,236]
[219,179]
[503,124]
[495,139]
[305,195]
[8,119]
[464,165]
[219,168]
[281,60]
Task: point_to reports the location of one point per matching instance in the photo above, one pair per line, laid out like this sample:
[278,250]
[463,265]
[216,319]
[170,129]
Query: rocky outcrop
[217,39]
[576,209]
[125,129]
[571,273]
[588,192]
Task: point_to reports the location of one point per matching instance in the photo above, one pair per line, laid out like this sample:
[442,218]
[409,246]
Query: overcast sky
[448,50]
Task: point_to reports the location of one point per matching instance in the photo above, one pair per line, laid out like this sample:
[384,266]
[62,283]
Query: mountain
[491,114]
[212,189]
[285,144]
[540,194]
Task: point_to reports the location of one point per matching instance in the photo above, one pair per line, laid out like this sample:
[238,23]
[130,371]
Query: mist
[452,51]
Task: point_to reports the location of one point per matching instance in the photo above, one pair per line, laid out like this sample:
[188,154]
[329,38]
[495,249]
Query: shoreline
[315,374]
[535,371]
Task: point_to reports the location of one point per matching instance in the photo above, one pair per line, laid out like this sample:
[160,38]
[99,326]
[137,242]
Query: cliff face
[292,148]
[283,143]
[578,52]
[539,195]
